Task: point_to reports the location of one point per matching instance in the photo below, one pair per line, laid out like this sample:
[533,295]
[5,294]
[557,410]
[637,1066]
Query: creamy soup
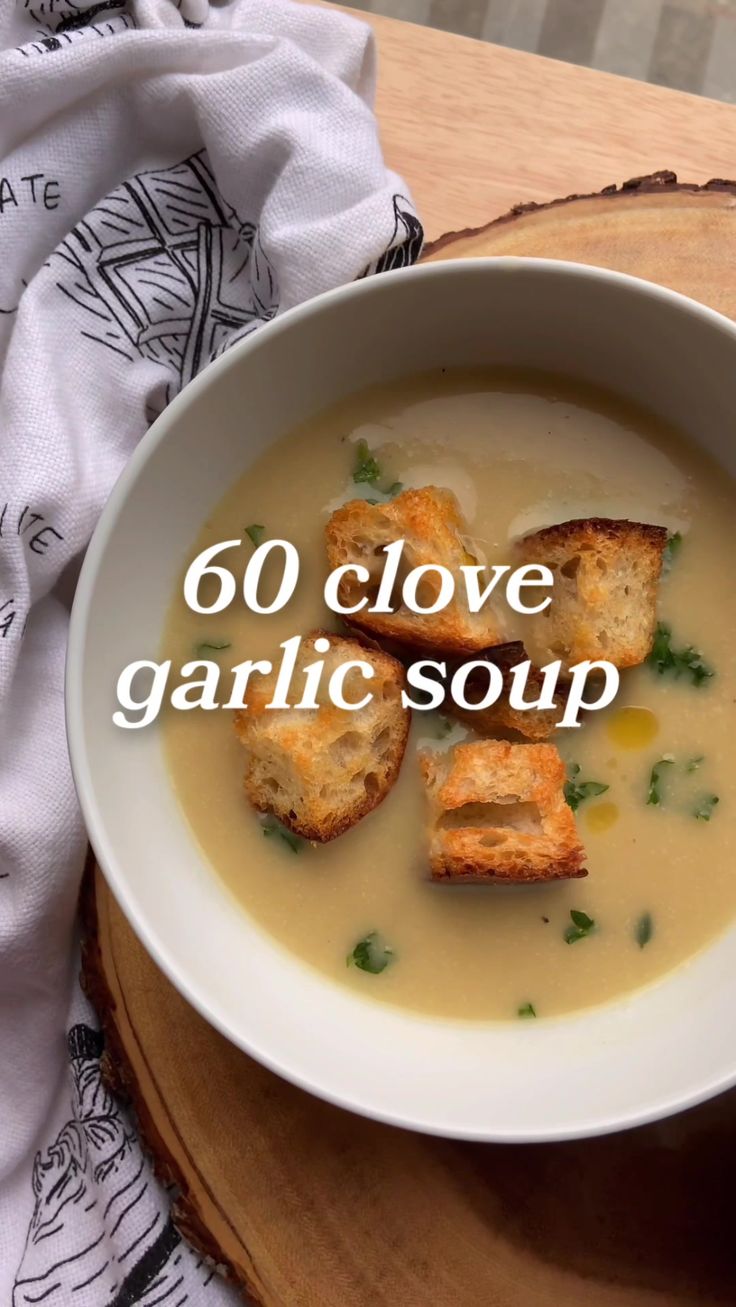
[520,452]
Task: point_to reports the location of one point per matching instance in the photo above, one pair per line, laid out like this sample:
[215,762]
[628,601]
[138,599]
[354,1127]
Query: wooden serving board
[308,1206]
[679,235]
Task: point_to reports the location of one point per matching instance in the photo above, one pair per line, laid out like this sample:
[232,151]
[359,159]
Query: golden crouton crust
[605,591]
[430,522]
[536,724]
[465,845]
[319,771]
[596,530]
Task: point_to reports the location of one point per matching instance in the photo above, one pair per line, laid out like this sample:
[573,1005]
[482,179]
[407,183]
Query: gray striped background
[688,44]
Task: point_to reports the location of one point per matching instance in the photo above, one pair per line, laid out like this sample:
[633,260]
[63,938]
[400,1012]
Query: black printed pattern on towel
[406,242]
[38,535]
[87,16]
[58,8]
[8,312]
[97,1236]
[164,269]
[76,24]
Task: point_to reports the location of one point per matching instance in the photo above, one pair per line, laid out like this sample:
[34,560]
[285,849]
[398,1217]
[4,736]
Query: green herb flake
[644,929]
[576,792]
[444,726]
[366,469]
[695,763]
[680,662]
[210,646]
[255,532]
[526,1010]
[654,794]
[272,827]
[671,550]
[370,955]
[704,810]
[582,926]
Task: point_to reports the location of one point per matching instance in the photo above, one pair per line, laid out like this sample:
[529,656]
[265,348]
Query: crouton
[534,724]
[319,771]
[430,522]
[605,590]
[497,814]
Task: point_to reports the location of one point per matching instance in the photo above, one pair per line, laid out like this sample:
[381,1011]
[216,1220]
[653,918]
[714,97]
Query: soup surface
[520,451]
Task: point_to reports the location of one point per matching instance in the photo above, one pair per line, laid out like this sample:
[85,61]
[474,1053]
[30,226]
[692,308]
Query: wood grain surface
[692,228]
[475,128]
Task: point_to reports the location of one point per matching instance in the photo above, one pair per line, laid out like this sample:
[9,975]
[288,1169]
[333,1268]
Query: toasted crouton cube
[605,590]
[321,770]
[534,724]
[498,814]
[430,522]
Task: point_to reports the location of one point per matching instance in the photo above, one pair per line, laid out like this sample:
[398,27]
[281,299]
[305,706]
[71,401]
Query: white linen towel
[172,174]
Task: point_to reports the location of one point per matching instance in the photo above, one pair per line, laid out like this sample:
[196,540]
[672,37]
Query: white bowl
[652,1053]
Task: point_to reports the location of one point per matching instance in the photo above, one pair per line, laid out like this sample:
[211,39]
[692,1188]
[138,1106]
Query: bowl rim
[105,854]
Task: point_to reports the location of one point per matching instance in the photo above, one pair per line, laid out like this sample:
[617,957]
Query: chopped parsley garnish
[370,955]
[526,1010]
[644,929]
[689,661]
[577,791]
[654,795]
[671,550]
[366,469]
[582,926]
[211,646]
[255,531]
[273,827]
[703,811]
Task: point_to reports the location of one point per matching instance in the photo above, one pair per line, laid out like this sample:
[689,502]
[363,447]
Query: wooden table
[474,128]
